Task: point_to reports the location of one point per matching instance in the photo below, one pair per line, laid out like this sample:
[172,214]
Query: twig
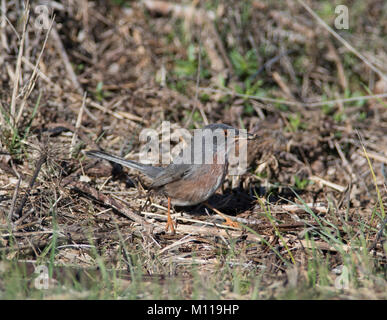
[24,234]
[368,97]
[319,208]
[328,183]
[177,243]
[66,60]
[293,103]
[99,196]
[332,53]
[282,84]
[18,64]
[11,210]
[41,74]
[2,120]
[373,155]
[381,206]
[41,161]
[3,10]
[65,236]
[117,114]
[213,231]
[342,40]
[177,217]
[219,43]
[3,24]
[32,80]
[323,246]
[236,94]
[78,123]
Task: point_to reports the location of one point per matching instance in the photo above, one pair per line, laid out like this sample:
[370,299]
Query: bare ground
[310,204]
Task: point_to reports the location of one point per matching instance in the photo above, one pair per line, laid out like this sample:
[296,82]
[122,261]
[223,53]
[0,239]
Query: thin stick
[228,219]
[99,196]
[32,81]
[41,161]
[342,40]
[212,231]
[178,218]
[11,210]
[177,243]
[292,103]
[66,60]
[381,206]
[373,155]
[3,24]
[78,123]
[2,120]
[18,64]
[328,183]
[41,74]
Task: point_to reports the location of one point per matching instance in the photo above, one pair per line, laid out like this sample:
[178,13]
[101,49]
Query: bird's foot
[170,225]
[230,223]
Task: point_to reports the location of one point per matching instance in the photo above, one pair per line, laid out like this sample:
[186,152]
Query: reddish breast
[196,187]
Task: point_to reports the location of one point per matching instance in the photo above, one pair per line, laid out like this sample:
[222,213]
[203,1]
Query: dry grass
[311,207]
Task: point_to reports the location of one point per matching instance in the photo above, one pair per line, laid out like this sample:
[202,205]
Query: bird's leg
[170,223]
[228,222]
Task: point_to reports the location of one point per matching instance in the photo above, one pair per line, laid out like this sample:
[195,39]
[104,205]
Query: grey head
[216,138]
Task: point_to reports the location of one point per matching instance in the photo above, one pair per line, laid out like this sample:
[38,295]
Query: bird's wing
[171,173]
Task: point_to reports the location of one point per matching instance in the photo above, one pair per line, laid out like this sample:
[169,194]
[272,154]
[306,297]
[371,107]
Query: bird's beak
[249,136]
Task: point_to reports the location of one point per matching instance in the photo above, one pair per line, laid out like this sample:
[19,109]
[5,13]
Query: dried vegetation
[311,207]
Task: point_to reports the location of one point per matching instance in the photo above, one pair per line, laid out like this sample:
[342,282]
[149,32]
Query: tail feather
[148,170]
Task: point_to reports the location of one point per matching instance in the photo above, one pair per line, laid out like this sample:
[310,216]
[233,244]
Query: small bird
[188,184]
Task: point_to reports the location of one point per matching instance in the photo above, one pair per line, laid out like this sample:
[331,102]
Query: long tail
[148,170]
